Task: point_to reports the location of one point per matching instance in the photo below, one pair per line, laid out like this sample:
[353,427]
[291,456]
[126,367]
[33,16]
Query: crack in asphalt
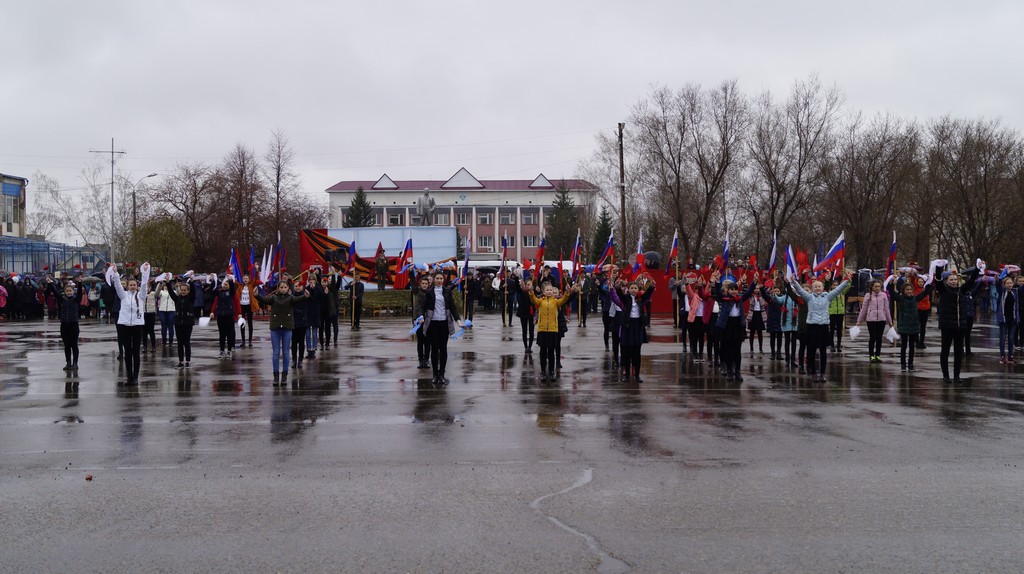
[608,565]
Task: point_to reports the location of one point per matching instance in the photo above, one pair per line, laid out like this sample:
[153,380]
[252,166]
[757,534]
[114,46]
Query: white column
[408,214]
[497,238]
[384,216]
[519,234]
[472,228]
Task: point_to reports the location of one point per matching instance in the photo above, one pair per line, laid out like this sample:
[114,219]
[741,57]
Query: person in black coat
[954,298]
[356,286]
[525,313]
[68,300]
[440,316]
[184,319]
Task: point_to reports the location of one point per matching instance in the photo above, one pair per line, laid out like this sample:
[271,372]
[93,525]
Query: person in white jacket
[166,310]
[133,299]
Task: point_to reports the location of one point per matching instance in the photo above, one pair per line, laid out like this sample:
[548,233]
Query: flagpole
[352,298]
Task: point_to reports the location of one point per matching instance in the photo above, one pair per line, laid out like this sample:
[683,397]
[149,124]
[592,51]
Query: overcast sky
[419,89]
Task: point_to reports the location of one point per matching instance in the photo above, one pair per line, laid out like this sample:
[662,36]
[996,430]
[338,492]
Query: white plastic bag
[854,331]
[241,322]
[892,335]
[204,322]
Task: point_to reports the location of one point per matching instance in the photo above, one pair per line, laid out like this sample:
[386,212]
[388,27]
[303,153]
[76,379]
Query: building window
[507,219]
[395,219]
[485,218]
[461,219]
[485,244]
[9,212]
[511,240]
[441,219]
[529,241]
[529,219]
[378,219]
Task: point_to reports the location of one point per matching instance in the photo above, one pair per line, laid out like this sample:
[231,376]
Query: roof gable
[462,179]
[385,182]
[541,181]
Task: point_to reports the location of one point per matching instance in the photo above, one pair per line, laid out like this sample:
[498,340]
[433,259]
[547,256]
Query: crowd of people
[805,315]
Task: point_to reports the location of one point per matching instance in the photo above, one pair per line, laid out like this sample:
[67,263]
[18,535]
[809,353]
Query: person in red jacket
[924,307]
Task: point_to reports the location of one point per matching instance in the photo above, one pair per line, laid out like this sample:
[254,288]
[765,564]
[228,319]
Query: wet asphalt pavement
[360,465]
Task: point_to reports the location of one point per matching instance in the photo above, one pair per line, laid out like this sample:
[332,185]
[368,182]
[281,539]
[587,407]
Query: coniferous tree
[562,224]
[601,233]
[360,213]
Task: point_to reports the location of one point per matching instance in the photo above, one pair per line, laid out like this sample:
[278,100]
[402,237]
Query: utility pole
[622,188]
[112,154]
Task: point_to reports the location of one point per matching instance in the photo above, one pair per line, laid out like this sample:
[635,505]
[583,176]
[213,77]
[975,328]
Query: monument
[425,206]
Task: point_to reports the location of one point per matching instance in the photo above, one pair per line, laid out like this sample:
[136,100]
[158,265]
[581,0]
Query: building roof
[462,180]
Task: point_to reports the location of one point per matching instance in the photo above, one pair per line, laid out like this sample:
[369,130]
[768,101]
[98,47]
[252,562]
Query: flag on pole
[402,266]
[891,266]
[835,255]
[540,253]
[673,254]
[575,255]
[465,267]
[771,260]
[790,263]
[609,251]
[725,252]
[234,267]
[350,262]
[252,263]
[561,272]
[639,253]
[504,255]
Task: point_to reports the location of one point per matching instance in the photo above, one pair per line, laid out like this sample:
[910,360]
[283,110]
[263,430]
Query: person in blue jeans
[281,322]
[1007,311]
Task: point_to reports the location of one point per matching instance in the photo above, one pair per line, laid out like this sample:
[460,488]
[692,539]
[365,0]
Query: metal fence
[31,256]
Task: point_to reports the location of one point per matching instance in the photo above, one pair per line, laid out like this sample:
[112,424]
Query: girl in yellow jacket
[547,325]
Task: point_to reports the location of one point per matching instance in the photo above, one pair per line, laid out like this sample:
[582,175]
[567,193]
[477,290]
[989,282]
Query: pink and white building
[483,210]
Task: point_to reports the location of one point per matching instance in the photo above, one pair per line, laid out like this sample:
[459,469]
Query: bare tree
[191,194]
[246,192]
[786,145]
[277,169]
[973,168]
[44,219]
[866,178]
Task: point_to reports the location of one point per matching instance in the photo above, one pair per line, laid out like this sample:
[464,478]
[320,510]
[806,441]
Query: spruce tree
[601,233]
[360,213]
[560,236]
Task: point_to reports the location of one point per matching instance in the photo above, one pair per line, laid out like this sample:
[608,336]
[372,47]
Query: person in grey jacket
[817,302]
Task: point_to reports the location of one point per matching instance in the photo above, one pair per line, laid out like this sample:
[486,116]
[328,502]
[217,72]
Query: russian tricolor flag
[771,260]
[639,253]
[673,254]
[575,255]
[891,267]
[234,266]
[835,255]
[351,261]
[504,255]
[609,251]
[725,252]
[540,253]
[790,263]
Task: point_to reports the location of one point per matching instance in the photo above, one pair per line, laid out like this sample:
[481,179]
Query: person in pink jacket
[875,309]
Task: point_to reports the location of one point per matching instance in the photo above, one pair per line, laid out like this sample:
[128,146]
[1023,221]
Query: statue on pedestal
[425,206]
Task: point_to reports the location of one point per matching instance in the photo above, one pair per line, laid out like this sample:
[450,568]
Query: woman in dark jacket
[439,319]
[420,289]
[773,321]
[184,319]
[525,313]
[68,300]
[317,297]
[227,310]
[908,323]
[281,304]
[954,295]
[732,322]
[300,314]
[632,325]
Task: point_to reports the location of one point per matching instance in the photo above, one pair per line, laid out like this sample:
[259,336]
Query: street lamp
[135,213]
